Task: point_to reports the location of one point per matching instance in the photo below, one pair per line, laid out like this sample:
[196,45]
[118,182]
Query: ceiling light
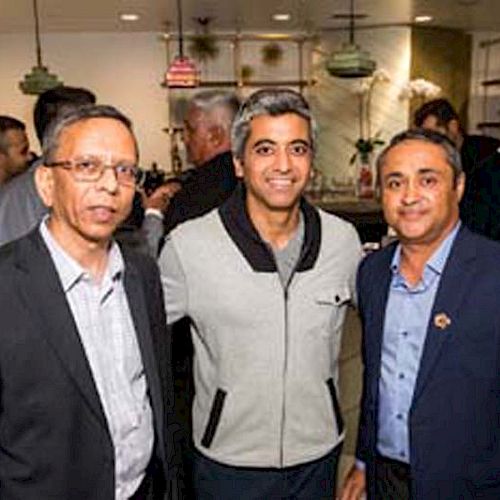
[129,17]
[423,19]
[350,61]
[281,17]
[39,80]
[182,73]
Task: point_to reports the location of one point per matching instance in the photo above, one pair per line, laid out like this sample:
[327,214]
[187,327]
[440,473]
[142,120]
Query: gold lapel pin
[442,321]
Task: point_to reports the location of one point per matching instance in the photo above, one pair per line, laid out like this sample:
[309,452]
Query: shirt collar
[69,270]
[438,259]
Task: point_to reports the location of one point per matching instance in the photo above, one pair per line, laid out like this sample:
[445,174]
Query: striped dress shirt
[104,322]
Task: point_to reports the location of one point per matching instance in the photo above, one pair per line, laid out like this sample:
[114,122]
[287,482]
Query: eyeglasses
[92,169]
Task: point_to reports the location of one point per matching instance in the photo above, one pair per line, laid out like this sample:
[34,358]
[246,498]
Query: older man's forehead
[105,133]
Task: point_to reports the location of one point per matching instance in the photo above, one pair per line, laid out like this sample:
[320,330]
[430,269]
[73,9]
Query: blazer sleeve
[365,422]
[162,338]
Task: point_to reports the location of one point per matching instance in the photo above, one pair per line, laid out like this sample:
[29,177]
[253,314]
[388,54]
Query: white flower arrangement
[420,88]
[363,88]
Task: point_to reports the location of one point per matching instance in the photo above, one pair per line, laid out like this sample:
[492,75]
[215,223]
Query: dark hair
[440,108]
[71,116]
[53,101]
[272,102]
[8,123]
[429,136]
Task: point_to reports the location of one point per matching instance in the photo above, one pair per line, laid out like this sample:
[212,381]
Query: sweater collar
[240,228]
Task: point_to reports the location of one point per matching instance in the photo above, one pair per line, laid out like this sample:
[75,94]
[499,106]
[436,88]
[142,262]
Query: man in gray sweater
[265,280]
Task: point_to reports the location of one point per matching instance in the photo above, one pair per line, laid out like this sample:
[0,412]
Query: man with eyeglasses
[265,280]
[84,363]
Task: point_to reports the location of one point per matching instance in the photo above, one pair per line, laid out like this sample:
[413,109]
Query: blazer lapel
[134,288]
[444,319]
[375,314]
[41,289]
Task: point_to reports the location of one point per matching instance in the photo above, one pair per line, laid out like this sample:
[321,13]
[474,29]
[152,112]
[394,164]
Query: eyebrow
[270,141]
[420,171]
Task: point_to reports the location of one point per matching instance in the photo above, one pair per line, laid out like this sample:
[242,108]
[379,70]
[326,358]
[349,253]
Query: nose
[411,193]
[108,180]
[283,161]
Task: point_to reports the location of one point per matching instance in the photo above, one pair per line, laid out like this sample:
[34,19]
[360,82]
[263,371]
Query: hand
[354,485]
[160,197]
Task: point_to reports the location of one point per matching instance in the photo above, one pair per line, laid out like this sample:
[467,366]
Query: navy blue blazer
[454,418]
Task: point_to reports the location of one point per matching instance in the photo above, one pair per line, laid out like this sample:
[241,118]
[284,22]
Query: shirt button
[401,376]
[399,416]
[402,454]
[404,334]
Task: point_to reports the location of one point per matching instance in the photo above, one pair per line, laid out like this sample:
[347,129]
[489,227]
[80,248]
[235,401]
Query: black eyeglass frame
[73,165]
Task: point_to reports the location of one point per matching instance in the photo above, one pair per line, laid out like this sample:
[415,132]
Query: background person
[21,209]
[14,148]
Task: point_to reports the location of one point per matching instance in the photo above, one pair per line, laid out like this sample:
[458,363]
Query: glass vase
[365,176]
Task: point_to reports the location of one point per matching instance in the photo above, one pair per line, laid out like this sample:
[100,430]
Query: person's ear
[216,135]
[238,167]
[453,127]
[45,184]
[460,185]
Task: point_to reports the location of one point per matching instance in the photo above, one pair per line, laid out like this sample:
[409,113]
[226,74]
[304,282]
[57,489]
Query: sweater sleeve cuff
[154,212]
[359,464]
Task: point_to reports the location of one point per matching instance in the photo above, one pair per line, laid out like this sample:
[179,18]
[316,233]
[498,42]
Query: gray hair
[220,107]
[65,119]
[430,136]
[272,102]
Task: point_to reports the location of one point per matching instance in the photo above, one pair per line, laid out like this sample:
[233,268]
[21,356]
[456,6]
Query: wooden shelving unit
[489,121]
[231,77]
[491,83]
[484,125]
[253,83]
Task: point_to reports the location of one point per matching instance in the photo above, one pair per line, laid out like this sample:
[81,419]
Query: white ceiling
[247,15]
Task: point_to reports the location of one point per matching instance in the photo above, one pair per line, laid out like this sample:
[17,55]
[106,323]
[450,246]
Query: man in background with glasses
[85,370]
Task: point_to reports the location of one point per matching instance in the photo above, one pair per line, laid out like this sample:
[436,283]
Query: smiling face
[419,195]
[276,163]
[83,213]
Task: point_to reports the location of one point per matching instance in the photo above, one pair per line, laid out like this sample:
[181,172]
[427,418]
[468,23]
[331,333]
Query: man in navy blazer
[430,416]
[85,383]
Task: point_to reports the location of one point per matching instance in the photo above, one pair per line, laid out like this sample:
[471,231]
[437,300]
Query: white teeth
[280,182]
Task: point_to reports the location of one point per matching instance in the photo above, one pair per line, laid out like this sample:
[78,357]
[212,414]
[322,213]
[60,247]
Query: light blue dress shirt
[405,328]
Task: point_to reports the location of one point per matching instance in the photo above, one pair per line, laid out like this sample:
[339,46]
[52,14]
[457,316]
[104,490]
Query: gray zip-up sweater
[265,357]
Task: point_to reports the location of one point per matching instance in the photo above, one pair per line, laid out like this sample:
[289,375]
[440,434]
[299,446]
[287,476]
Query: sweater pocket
[214,418]
[330,307]
[335,405]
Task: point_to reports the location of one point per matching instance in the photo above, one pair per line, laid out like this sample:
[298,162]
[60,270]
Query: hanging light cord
[179,22]
[351,24]
[37,34]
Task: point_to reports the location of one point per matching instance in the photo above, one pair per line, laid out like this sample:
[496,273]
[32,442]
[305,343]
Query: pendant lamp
[182,73]
[39,80]
[350,61]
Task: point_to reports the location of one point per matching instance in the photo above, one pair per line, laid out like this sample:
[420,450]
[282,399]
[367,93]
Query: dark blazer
[455,414]
[54,439]
[206,187]
[480,207]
